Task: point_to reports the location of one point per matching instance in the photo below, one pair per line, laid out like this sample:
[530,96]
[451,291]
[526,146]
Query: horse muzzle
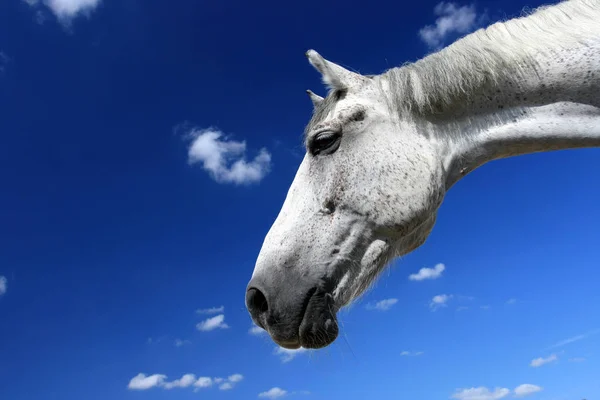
[299,316]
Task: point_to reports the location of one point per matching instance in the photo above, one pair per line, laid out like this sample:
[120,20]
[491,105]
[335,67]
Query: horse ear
[315,98]
[334,76]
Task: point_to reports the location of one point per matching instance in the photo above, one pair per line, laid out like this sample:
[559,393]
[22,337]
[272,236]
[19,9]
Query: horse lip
[318,327]
[295,343]
[288,345]
[309,295]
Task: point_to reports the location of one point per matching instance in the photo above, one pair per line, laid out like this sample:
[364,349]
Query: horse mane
[499,53]
[504,52]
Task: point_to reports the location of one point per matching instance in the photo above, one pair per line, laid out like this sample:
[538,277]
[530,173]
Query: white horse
[383,150]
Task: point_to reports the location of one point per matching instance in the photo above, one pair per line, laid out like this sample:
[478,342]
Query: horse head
[366,192]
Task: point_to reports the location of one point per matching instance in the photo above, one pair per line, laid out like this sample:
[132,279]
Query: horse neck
[553,104]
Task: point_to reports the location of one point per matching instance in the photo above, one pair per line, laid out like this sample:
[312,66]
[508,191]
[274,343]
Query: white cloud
[428,273]
[224,159]
[3,285]
[575,338]
[569,341]
[65,10]
[185,381]
[143,382]
[441,300]
[512,301]
[212,310]
[538,362]
[180,342]
[273,393]
[256,330]
[382,305]
[406,353]
[526,389]
[577,359]
[216,322]
[230,382]
[485,307]
[451,19]
[288,355]
[203,382]
[481,393]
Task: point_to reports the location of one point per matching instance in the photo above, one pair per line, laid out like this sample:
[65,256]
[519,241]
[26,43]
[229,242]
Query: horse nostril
[256,302]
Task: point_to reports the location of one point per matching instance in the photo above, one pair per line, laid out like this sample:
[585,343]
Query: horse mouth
[316,324]
[319,327]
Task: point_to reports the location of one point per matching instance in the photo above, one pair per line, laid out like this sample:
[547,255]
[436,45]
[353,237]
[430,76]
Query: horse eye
[325,143]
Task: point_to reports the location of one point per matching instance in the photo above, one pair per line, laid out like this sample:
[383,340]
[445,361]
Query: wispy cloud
[181,342]
[216,322]
[273,393]
[527,389]
[151,340]
[224,159]
[276,392]
[66,10]
[382,305]
[230,382]
[256,330]
[143,382]
[511,302]
[485,307]
[441,300]
[212,310]
[481,393]
[428,273]
[3,285]
[452,19]
[575,339]
[577,359]
[185,381]
[538,362]
[407,353]
[287,355]
[235,378]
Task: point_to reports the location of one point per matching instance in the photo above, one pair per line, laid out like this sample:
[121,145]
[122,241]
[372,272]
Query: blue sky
[147,146]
